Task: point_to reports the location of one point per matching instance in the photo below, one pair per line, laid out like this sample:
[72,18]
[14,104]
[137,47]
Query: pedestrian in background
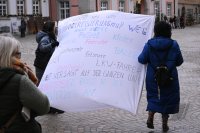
[165,99]
[182,22]
[47,43]
[18,89]
[175,22]
[171,21]
[178,22]
[23,27]
[165,18]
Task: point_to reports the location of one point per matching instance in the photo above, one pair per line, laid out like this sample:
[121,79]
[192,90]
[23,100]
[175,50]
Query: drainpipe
[50,10]
[174,8]
[96,5]
[160,9]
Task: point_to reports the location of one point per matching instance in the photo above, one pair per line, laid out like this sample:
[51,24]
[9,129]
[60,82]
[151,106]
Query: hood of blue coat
[40,35]
[160,43]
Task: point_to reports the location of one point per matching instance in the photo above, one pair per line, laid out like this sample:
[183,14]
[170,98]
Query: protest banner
[96,63]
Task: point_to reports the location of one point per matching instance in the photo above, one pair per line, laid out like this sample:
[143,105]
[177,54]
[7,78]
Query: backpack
[162,73]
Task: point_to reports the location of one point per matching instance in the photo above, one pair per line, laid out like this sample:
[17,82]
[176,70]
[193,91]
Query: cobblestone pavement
[113,120]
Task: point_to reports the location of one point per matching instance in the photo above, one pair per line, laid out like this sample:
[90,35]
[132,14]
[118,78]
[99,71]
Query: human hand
[55,44]
[30,74]
[23,67]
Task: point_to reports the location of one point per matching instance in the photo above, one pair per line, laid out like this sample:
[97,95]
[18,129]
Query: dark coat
[23,25]
[169,100]
[10,103]
[44,50]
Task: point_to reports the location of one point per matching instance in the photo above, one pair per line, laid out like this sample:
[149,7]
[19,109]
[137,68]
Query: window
[3,7]
[20,7]
[36,7]
[190,11]
[157,8]
[104,5]
[169,9]
[189,16]
[122,6]
[64,9]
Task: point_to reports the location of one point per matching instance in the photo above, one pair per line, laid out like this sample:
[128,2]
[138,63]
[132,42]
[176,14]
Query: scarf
[23,67]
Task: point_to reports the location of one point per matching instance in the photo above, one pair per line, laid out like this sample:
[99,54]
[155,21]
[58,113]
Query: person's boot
[165,126]
[150,120]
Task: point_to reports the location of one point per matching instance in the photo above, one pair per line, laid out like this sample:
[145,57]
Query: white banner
[96,62]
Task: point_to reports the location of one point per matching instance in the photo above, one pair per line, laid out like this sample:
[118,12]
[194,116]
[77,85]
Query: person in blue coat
[165,99]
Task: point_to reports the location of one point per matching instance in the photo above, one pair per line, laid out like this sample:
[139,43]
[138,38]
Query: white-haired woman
[17,90]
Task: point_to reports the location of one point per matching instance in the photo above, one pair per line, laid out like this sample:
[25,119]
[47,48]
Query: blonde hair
[8,46]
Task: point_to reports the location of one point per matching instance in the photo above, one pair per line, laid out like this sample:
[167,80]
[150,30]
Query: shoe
[55,111]
[165,126]
[150,124]
[150,120]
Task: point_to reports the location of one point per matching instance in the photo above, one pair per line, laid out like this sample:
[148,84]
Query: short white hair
[8,46]
[6,34]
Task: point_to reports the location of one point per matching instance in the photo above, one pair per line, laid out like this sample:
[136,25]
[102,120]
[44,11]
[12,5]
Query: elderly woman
[161,49]
[17,90]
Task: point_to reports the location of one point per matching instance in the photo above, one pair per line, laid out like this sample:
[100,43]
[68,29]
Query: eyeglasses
[18,55]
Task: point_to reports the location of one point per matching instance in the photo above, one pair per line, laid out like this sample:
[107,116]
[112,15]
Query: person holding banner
[161,99]
[47,43]
[18,90]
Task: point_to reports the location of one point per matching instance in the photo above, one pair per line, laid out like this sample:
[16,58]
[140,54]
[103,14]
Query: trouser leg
[165,122]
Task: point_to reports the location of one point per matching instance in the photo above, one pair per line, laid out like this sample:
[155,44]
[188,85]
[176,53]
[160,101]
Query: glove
[55,44]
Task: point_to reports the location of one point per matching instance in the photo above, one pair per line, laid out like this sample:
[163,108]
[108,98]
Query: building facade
[190,10]
[87,6]
[36,12]
[161,8]
[118,5]
[11,12]
[61,9]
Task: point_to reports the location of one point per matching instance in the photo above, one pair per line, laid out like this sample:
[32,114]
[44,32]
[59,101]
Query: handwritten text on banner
[96,63]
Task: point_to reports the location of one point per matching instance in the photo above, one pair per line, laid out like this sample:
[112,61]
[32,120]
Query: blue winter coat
[167,100]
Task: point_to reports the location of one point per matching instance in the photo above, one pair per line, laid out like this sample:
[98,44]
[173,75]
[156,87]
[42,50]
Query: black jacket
[10,103]
[9,98]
